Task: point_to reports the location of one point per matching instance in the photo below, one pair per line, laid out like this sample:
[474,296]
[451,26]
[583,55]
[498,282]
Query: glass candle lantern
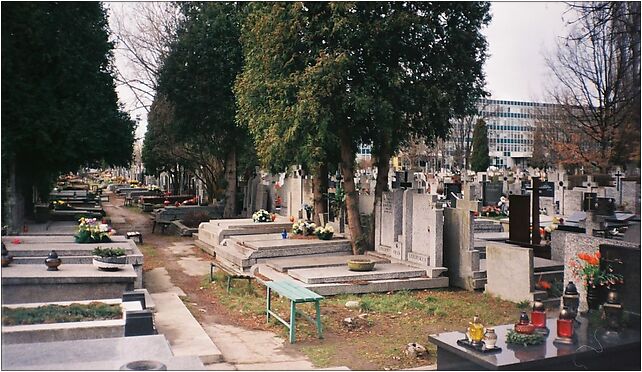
[565,327]
[612,309]
[476,331]
[571,299]
[538,315]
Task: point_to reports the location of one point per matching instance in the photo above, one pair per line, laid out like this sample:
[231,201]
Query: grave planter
[109,263]
[361,264]
[594,297]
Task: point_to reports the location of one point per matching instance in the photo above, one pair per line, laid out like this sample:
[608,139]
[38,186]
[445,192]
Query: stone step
[373,286]
[479,283]
[329,289]
[431,271]
[306,262]
[479,274]
[341,274]
[207,248]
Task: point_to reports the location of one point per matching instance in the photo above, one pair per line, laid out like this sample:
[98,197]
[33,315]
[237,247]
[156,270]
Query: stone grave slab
[338,274]
[98,354]
[389,220]
[33,283]
[51,239]
[290,263]
[64,249]
[52,228]
[215,231]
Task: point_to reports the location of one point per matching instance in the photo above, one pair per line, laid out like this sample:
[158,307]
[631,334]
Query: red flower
[16,241]
[543,284]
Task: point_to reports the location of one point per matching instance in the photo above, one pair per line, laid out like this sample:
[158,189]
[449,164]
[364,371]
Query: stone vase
[109,263]
[594,297]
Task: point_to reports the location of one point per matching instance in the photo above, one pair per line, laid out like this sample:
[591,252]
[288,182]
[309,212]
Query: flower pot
[361,264]
[594,297]
[325,236]
[110,263]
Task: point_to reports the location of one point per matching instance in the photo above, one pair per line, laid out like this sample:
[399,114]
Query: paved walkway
[239,348]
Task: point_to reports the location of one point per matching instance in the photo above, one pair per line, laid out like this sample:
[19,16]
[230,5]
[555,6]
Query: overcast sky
[519,36]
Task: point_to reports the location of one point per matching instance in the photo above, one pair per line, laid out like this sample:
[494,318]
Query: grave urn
[52,261]
[109,263]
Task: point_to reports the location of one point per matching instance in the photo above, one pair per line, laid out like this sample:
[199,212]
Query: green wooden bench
[230,272]
[296,294]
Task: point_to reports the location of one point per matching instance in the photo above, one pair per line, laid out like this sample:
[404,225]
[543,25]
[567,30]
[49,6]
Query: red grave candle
[565,328]
[538,315]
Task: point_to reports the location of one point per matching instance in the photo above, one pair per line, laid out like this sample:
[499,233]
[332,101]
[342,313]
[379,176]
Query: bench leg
[229,282]
[292,321]
[268,304]
[211,272]
[153,227]
[319,329]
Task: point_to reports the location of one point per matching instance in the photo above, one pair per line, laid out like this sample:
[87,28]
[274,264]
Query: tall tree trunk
[352,196]
[383,166]
[320,188]
[230,188]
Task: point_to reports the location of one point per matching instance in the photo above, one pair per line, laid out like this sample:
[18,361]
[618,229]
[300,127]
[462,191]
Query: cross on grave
[618,184]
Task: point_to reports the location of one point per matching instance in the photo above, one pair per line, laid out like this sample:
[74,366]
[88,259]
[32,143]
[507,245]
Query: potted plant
[92,231]
[261,216]
[586,269]
[303,228]
[324,233]
[109,259]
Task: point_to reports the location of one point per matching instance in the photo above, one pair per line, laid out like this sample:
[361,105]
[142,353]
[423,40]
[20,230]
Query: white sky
[519,36]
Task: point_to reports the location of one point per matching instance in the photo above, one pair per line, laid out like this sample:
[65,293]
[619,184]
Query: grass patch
[60,314]
[148,250]
[320,355]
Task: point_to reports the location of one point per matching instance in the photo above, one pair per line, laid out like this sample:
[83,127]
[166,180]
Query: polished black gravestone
[491,192]
[593,350]
[519,218]
[139,323]
[624,261]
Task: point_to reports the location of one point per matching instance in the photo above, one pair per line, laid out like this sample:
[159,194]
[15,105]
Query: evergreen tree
[59,105]
[479,160]
[362,72]
[195,85]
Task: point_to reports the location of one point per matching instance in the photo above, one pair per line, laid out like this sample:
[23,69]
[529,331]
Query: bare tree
[461,134]
[144,32]
[597,69]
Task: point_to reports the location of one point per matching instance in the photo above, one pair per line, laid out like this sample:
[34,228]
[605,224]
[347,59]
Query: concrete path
[255,350]
[225,347]
[184,333]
